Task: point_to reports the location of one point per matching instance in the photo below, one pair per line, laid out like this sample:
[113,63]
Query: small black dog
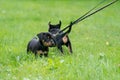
[39,46]
[62,38]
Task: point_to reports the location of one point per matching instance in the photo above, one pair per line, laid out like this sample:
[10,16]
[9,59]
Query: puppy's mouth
[49,44]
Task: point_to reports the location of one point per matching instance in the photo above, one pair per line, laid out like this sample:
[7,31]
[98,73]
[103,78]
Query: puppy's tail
[28,48]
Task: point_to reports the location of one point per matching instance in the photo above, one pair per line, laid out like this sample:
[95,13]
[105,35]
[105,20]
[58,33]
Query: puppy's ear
[40,36]
[59,23]
[49,23]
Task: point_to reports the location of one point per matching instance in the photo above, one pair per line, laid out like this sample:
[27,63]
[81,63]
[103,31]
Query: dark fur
[40,46]
[62,38]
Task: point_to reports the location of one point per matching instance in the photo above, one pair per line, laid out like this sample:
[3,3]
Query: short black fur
[40,46]
[60,38]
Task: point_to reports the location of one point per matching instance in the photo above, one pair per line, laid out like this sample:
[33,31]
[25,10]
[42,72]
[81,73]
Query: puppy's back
[33,45]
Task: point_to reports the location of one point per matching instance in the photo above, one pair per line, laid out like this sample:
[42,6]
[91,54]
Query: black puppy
[62,38]
[39,46]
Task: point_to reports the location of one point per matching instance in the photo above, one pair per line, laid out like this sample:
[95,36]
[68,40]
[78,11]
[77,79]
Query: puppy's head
[54,28]
[46,39]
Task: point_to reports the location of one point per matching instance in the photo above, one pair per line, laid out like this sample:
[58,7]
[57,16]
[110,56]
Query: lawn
[95,41]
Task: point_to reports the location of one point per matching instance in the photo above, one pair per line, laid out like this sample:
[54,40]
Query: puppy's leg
[40,53]
[28,49]
[60,48]
[36,55]
[68,44]
[46,54]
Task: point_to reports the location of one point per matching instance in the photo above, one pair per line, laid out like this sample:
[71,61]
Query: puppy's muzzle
[53,43]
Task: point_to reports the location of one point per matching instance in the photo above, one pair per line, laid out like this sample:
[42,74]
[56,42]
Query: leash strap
[76,21]
[87,15]
[98,10]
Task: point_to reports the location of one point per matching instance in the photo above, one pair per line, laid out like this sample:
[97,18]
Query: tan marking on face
[47,44]
[65,39]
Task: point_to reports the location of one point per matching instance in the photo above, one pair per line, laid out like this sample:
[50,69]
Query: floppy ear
[40,36]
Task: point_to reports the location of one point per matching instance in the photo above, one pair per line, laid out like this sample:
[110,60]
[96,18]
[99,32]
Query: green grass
[95,41]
